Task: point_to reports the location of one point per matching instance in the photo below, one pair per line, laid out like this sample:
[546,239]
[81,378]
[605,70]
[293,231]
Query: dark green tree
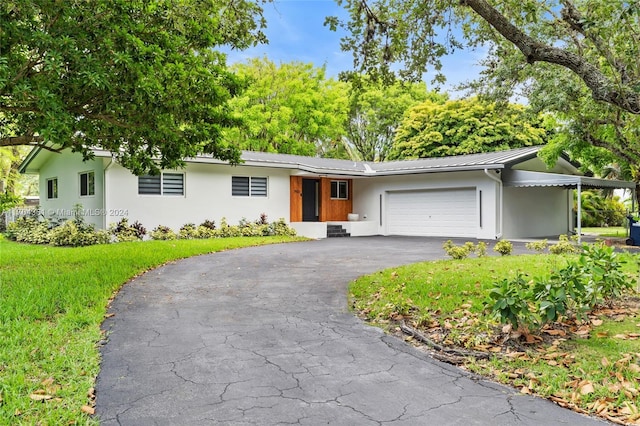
[138,78]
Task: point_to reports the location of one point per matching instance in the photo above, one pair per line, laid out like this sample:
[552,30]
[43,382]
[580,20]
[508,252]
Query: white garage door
[438,213]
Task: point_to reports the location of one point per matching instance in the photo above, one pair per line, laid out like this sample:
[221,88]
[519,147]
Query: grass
[613,231]
[52,302]
[444,300]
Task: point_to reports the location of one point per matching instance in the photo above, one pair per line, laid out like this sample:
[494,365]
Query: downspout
[579,212]
[499,202]
[104,194]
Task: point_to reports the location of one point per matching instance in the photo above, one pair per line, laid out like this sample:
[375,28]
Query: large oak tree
[578,58]
[138,78]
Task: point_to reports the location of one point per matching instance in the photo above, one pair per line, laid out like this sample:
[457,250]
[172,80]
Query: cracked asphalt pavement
[263,336]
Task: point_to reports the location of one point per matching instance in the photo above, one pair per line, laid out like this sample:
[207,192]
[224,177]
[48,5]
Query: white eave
[524,178]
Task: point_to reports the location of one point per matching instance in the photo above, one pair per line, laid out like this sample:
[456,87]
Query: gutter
[500,203]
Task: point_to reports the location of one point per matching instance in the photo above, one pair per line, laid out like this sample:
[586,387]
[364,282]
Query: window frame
[339,183]
[52,192]
[162,185]
[259,189]
[92,181]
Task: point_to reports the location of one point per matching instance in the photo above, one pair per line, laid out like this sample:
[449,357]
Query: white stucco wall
[535,212]
[66,167]
[367,195]
[207,195]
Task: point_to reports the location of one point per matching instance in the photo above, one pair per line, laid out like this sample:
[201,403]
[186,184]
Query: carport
[530,179]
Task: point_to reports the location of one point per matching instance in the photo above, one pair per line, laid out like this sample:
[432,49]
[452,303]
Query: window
[162,184]
[245,186]
[340,189]
[87,184]
[52,188]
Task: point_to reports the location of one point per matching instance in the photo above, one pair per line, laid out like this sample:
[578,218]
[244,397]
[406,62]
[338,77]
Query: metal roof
[524,178]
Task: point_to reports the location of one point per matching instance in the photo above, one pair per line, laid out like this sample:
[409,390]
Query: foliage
[161,232]
[504,247]
[574,58]
[466,126]
[565,245]
[289,108]
[375,113]
[140,79]
[539,246]
[125,232]
[9,201]
[509,300]
[77,233]
[210,224]
[29,230]
[53,302]
[599,210]
[188,231]
[461,252]
[595,278]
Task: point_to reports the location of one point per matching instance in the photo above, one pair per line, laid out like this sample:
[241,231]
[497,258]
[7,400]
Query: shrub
[188,231]
[29,230]
[481,249]
[281,228]
[565,245]
[76,233]
[263,219]
[509,301]
[206,232]
[538,246]
[456,252]
[210,224]
[125,232]
[161,232]
[504,247]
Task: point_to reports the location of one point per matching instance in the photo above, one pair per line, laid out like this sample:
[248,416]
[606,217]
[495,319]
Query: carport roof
[524,178]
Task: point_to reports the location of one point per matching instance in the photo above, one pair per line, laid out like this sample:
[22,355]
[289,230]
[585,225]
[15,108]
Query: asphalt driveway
[262,336]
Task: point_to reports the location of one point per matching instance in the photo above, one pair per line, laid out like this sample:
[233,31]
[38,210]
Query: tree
[586,49]
[289,108]
[467,126]
[137,78]
[375,113]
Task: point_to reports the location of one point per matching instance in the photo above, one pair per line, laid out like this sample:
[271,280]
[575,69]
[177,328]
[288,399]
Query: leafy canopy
[138,78]
[290,108]
[578,58]
[467,126]
[375,113]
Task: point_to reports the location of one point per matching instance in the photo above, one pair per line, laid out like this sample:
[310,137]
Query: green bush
[29,230]
[206,232]
[538,246]
[161,232]
[281,228]
[76,233]
[504,247]
[595,278]
[565,245]
[123,231]
[456,252]
[188,231]
[481,249]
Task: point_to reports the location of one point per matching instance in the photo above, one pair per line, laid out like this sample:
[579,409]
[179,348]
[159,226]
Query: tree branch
[602,89]
[27,140]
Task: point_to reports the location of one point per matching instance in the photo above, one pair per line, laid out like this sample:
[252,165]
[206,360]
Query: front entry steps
[334,231]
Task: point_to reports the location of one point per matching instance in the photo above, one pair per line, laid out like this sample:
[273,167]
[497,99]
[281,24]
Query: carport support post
[579,213]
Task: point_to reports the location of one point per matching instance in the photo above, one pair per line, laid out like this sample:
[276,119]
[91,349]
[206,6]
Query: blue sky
[296,33]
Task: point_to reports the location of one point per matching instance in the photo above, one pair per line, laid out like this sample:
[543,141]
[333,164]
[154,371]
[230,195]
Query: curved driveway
[262,336]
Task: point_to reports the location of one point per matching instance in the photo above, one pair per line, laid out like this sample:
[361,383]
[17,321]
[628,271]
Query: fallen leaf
[634,368]
[620,336]
[605,362]
[586,389]
[40,397]
[88,410]
[596,322]
[602,334]
[554,332]
[525,390]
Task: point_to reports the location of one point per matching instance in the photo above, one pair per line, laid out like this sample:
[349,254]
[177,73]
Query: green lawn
[611,231]
[52,302]
[597,371]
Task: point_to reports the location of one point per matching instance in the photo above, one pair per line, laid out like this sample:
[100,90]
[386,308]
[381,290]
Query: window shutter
[240,186]
[258,186]
[149,184]
[173,184]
